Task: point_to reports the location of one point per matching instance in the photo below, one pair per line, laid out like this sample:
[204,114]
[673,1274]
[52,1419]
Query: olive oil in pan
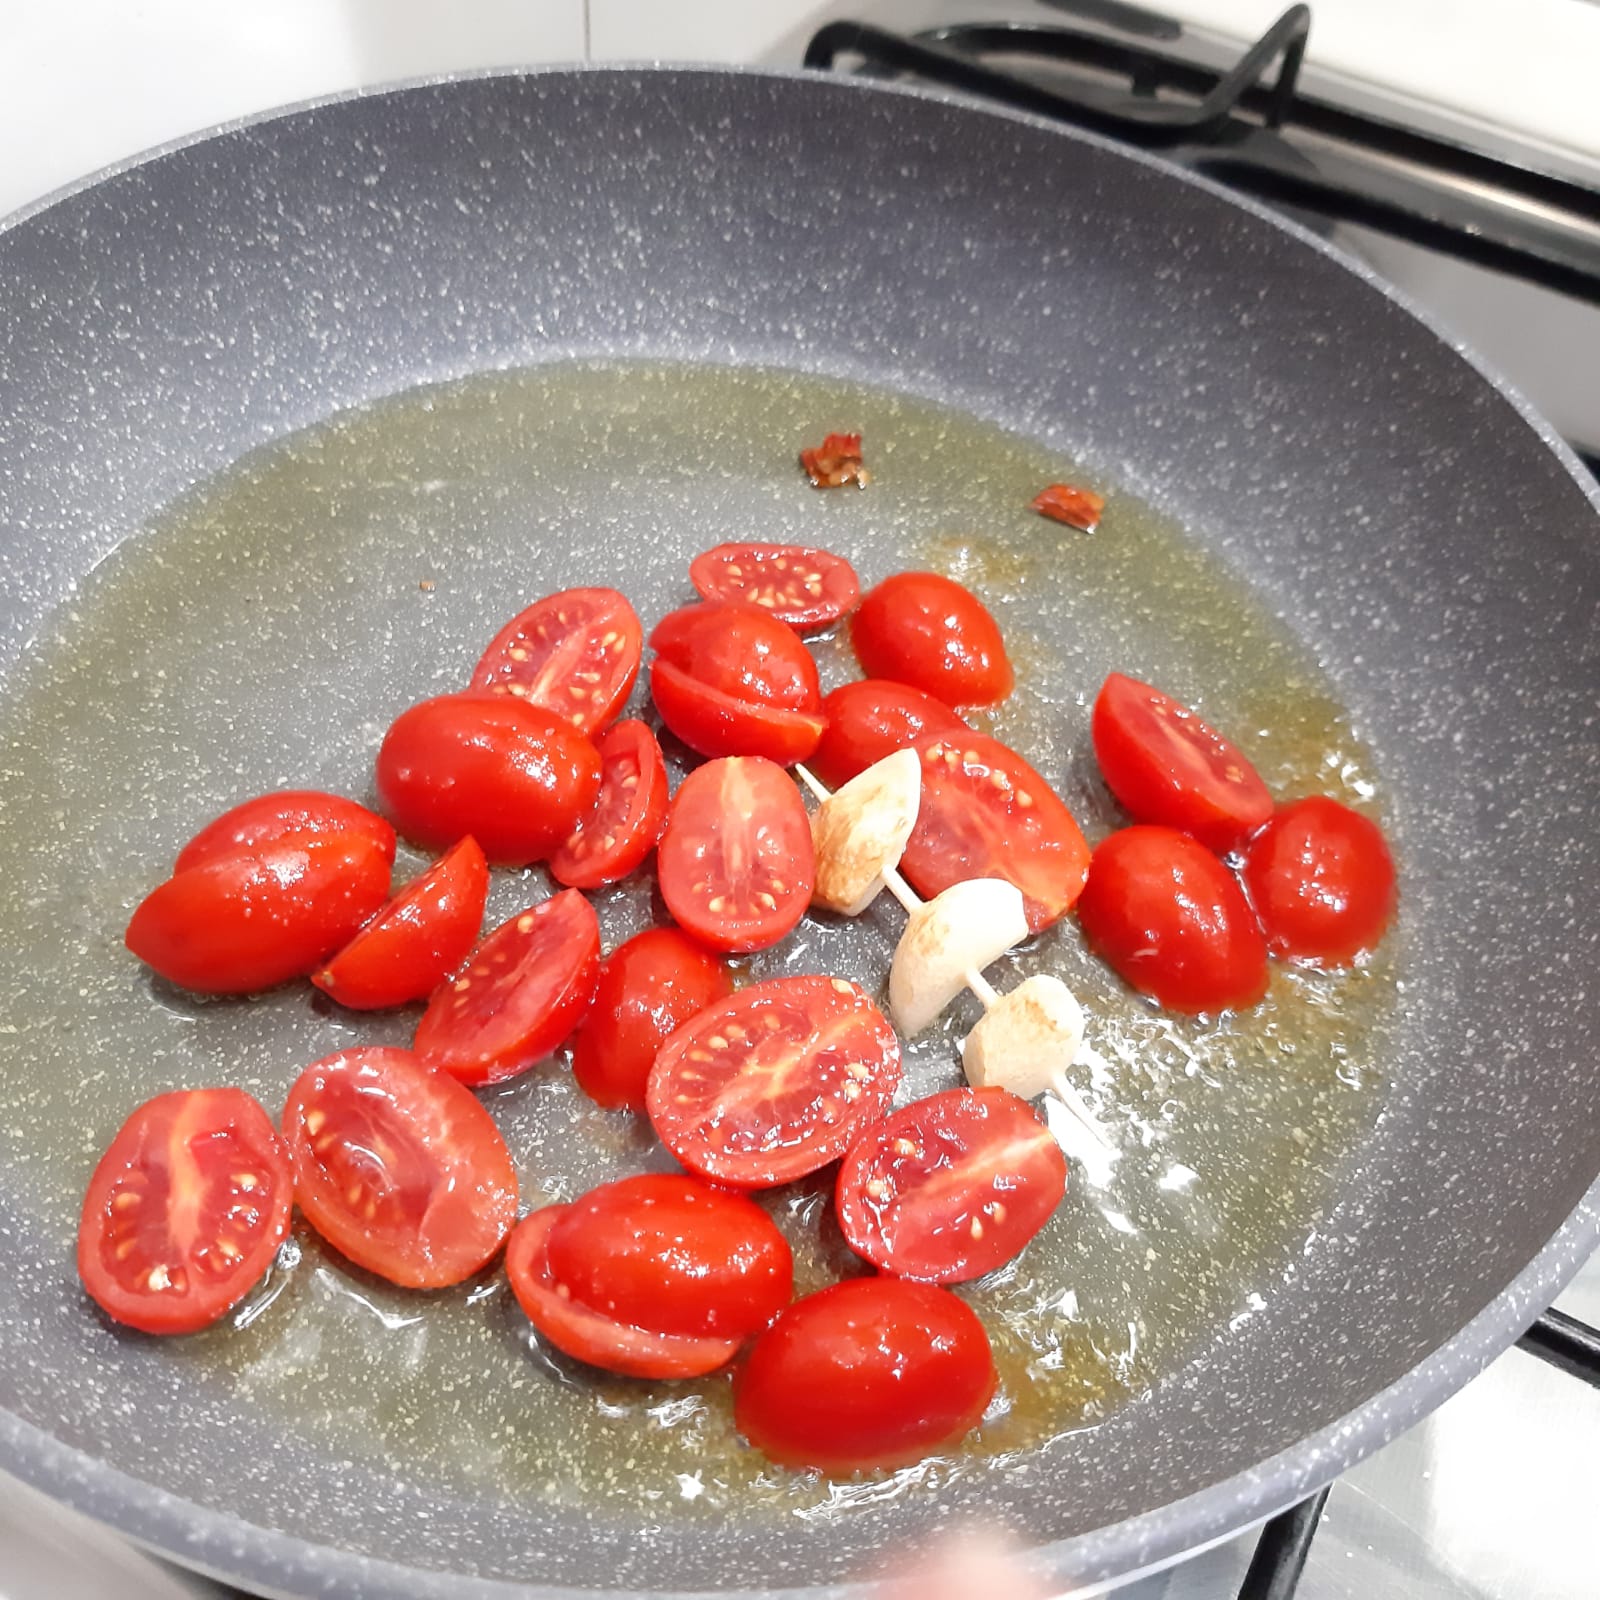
[264,631]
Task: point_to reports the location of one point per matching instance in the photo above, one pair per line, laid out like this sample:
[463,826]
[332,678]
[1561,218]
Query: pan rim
[225,1546]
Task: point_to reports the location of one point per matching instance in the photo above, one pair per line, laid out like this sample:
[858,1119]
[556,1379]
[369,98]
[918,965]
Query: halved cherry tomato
[399,1168]
[256,917]
[514,777]
[185,1210]
[1321,879]
[574,654]
[801,586]
[873,1372]
[775,1081]
[671,1254]
[613,838]
[1167,766]
[426,931]
[648,987]
[951,1186]
[270,817]
[927,630]
[716,724]
[987,814]
[1173,921]
[593,1336]
[871,719]
[735,863]
[525,988]
[732,680]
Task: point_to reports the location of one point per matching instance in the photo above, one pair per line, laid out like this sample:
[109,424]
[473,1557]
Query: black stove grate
[1217,128]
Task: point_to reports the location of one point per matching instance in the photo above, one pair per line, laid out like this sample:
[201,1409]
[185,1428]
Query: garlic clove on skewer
[860,831]
[958,932]
[1027,1039]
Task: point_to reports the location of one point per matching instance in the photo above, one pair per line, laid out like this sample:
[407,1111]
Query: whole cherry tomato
[927,630]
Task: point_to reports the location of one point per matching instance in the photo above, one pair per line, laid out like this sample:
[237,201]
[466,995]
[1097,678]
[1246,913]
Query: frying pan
[1418,530]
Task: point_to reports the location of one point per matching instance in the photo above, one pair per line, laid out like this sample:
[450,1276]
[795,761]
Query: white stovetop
[1493,1497]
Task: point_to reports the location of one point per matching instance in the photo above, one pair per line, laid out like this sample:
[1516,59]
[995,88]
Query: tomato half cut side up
[628,815]
[775,1081]
[399,1168]
[799,585]
[524,989]
[1168,767]
[271,817]
[735,864]
[574,654]
[1173,921]
[424,933]
[872,1372]
[871,719]
[986,813]
[649,986]
[950,1187]
[185,1210]
[592,1336]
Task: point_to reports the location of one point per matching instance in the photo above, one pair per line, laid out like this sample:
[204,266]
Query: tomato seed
[717,1042]
[517,653]
[314,1121]
[1024,799]
[976,1230]
[158,1280]
[841,987]
[248,1180]
[126,1200]
[525,922]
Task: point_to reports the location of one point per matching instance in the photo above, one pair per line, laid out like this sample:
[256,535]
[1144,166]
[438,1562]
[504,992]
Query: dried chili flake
[836,462]
[1064,502]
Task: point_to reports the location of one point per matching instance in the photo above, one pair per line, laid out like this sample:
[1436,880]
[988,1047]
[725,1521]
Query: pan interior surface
[198,617]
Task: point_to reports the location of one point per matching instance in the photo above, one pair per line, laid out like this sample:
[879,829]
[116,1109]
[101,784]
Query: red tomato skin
[873,1372]
[435,1169]
[515,777]
[1322,881]
[234,1159]
[595,631]
[928,631]
[799,585]
[630,809]
[425,932]
[525,988]
[250,920]
[1166,766]
[711,1093]
[270,817]
[715,724]
[649,986]
[740,651]
[744,805]
[970,826]
[591,1336]
[1173,921]
[671,1254]
[922,1226]
[871,719]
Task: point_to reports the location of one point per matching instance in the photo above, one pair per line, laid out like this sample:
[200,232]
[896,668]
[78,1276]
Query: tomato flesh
[271,817]
[735,863]
[185,1210]
[399,1168]
[950,1187]
[671,1254]
[1173,921]
[592,1336]
[775,1081]
[574,654]
[873,1372]
[425,932]
[253,918]
[1322,881]
[524,989]
[801,586]
[986,813]
[621,829]
[649,986]
[513,776]
[926,630]
[871,719]
[1168,767]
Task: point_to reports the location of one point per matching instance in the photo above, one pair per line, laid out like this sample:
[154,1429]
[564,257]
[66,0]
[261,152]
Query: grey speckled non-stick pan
[1413,529]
